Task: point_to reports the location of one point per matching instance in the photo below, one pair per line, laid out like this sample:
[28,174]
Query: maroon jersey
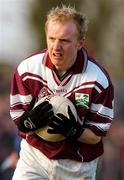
[87,85]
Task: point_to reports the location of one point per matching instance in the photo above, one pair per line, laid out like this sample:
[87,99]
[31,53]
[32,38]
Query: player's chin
[58,65]
[58,61]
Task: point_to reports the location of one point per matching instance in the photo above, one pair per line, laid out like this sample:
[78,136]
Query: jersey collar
[79,65]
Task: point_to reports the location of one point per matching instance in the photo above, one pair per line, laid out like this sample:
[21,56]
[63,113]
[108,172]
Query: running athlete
[64,69]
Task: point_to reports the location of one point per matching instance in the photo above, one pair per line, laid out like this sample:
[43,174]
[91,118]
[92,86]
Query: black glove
[68,127]
[35,118]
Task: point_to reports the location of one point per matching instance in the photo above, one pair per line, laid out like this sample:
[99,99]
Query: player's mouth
[57,55]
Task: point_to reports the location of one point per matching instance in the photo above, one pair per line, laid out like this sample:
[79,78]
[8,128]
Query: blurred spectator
[111,166]
[9,141]
[8,165]
[6,128]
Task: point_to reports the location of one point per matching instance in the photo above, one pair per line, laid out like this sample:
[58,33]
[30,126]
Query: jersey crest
[82,99]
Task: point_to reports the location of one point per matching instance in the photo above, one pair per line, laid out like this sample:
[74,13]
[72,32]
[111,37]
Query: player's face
[63,44]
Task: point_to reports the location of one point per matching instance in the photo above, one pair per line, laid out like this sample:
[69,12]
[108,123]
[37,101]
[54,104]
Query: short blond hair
[66,13]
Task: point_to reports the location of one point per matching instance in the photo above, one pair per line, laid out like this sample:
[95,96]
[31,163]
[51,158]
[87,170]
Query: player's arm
[24,114]
[100,118]
[89,137]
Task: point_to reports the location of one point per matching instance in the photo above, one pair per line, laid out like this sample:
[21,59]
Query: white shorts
[34,165]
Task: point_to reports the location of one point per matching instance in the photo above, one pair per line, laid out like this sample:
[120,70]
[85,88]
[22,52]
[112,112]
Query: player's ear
[81,43]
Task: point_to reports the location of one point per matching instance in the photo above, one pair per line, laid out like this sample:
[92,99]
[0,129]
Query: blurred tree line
[105,32]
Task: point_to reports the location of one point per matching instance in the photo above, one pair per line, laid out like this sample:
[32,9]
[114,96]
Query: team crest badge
[43,92]
[82,99]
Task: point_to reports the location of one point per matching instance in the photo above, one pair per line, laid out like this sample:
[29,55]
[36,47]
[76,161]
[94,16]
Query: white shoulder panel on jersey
[95,73]
[31,64]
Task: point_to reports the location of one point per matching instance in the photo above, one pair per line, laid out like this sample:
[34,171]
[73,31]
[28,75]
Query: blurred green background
[22,33]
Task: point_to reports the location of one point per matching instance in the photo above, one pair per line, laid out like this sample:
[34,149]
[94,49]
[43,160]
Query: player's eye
[64,41]
[51,38]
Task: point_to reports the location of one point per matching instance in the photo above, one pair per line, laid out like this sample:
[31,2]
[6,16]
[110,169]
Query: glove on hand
[68,127]
[35,118]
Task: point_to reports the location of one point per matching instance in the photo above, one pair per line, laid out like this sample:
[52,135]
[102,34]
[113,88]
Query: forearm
[89,137]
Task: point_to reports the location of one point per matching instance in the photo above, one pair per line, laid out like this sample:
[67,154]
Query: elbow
[89,137]
[95,139]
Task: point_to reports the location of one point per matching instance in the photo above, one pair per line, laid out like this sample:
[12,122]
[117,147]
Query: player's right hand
[36,118]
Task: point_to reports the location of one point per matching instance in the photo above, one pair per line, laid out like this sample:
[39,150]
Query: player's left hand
[68,127]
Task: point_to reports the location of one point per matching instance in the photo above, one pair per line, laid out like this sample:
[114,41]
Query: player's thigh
[73,170]
[27,166]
